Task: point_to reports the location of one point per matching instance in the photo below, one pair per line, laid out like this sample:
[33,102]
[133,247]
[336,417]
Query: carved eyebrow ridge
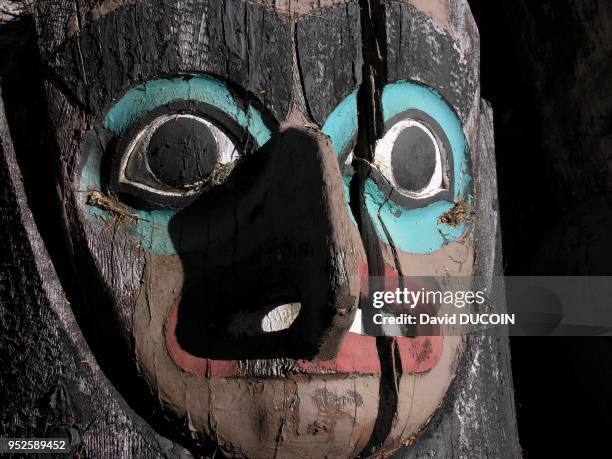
[146,40]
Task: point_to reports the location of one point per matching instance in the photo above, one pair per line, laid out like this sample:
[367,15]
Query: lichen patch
[456,215]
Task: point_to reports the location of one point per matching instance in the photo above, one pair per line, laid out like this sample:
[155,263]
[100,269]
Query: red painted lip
[358,354]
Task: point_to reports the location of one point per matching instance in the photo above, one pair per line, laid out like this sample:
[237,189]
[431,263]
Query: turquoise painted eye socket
[422,166]
[142,99]
[188,119]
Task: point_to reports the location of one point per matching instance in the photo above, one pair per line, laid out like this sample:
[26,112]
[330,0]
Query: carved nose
[279,233]
[327,244]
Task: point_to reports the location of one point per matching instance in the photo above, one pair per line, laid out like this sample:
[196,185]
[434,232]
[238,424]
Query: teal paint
[151,227]
[402,96]
[415,230]
[140,100]
[341,124]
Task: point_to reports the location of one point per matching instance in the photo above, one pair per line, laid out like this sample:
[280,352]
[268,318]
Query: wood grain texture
[11,10]
[478,417]
[55,376]
[419,49]
[328,51]
[162,38]
[287,414]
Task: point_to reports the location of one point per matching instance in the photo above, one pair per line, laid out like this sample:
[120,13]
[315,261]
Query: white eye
[174,154]
[411,158]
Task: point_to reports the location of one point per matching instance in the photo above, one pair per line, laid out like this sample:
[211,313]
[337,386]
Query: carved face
[208,159]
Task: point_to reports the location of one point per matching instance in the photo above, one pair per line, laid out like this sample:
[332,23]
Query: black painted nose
[277,233]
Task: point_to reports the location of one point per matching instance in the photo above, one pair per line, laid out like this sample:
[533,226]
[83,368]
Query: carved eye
[173,157]
[413,159]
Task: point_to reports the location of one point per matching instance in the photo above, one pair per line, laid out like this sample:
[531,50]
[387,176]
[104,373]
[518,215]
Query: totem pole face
[207,150]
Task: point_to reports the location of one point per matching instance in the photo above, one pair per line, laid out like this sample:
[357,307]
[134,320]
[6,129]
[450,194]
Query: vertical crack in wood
[283,420]
[79,21]
[298,74]
[225,14]
[370,129]
[394,252]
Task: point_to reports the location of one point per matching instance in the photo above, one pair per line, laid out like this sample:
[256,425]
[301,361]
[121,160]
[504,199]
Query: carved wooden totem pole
[192,191]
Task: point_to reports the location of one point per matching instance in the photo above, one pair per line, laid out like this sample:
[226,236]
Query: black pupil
[182,152]
[413,159]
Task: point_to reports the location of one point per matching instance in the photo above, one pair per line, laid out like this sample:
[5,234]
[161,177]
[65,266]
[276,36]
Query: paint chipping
[424,352]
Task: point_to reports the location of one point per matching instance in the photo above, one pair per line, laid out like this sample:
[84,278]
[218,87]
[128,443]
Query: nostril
[281,317]
[260,322]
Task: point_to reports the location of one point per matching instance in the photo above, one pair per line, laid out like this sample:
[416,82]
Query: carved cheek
[453,259]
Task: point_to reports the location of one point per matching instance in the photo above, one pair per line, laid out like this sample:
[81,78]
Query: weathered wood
[478,416]
[50,378]
[130,302]
[328,50]
[11,10]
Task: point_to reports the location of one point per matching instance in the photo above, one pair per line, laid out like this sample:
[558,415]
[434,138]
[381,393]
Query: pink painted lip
[358,354]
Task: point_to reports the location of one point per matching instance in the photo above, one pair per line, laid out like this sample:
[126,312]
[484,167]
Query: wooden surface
[478,416]
[49,373]
[54,374]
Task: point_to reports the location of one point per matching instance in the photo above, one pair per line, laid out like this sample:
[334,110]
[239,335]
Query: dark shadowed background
[547,70]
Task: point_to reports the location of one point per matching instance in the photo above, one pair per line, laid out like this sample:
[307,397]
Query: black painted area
[329,57]
[546,164]
[250,260]
[137,167]
[413,159]
[33,376]
[418,49]
[182,152]
[243,43]
[448,191]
